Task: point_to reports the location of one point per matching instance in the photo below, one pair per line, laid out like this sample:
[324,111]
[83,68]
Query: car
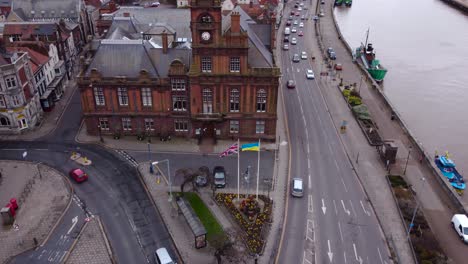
[301,4]
[290,84]
[293,29]
[298,13]
[306,8]
[294,41]
[219,177]
[288,23]
[153,4]
[78,175]
[290,18]
[201,179]
[293,13]
[300,34]
[460,224]
[331,53]
[286,39]
[299,9]
[301,25]
[295,22]
[303,17]
[285,47]
[304,55]
[315,18]
[296,58]
[297,188]
[321,13]
[161,256]
[338,67]
[310,74]
[322,2]
[296,6]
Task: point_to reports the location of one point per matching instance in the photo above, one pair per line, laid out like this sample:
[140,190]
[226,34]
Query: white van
[297,189]
[287,31]
[460,224]
[162,257]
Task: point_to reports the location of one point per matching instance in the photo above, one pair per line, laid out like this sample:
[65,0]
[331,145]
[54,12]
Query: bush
[346,93]
[354,100]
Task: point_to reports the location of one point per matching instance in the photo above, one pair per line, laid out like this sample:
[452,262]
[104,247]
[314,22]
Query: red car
[300,33]
[78,175]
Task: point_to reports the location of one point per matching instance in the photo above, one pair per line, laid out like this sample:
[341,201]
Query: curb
[65,258]
[106,240]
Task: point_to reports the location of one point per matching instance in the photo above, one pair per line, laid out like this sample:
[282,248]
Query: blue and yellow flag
[251,147]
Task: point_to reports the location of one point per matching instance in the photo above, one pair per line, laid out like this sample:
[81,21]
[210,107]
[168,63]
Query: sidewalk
[43,196]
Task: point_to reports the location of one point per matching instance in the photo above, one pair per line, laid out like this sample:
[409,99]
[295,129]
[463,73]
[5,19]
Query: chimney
[273,32]
[235,22]
[126,14]
[164,42]
[251,4]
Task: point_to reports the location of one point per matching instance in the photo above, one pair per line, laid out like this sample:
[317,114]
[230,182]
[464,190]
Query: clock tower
[205,23]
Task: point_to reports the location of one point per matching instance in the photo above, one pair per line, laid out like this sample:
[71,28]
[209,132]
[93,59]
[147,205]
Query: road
[333,222]
[113,191]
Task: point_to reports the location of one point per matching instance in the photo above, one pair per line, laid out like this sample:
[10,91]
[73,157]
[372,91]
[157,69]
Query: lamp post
[149,158]
[407,159]
[100,135]
[415,211]
[168,172]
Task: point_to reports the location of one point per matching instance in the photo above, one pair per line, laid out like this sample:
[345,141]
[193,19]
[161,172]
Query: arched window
[206,18]
[207,95]
[261,100]
[234,100]
[4,121]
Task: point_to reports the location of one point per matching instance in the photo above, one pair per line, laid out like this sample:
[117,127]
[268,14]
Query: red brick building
[222,84]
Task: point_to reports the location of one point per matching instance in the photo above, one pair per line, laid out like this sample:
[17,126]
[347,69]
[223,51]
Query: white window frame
[261,100]
[180,125]
[206,64]
[146,97]
[10,82]
[126,124]
[207,98]
[2,101]
[99,96]
[16,100]
[234,100]
[179,103]
[260,127]
[178,84]
[234,64]
[104,124]
[149,124]
[122,94]
[234,126]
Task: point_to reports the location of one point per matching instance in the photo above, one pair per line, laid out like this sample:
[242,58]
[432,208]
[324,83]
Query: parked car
[202,178]
[297,188]
[460,224]
[299,9]
[298,13]
[322,2]
[338,67]
[296,58]
[285,47]
[293,12]
[315,18]
[291,84]
[296,6]
[161,256]
[219,177]
[331,53]
[304,55]
[310,74]
[321,13]
[288,23]
[78,175]
[153,4]
[286,39]
[294,41]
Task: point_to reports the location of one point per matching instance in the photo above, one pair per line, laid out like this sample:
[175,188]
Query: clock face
[206,36]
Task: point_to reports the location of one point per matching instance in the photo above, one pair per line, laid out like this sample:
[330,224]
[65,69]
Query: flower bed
[251,224]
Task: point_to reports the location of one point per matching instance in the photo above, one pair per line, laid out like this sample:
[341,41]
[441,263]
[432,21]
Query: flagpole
[258,168]
[238,168]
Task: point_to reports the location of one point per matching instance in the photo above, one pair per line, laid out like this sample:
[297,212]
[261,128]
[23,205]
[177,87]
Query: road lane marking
[346,188]
[304,259]
[310,234]
[336,164]
[336,209]
[341,233]
[298,70]
[308,164]
[74,221]
[364,209]
[352,208]
[310,182]
[344,255]
[344,208]
[311,204]
[380,256]
[324,208]
[355,252]
[330,254]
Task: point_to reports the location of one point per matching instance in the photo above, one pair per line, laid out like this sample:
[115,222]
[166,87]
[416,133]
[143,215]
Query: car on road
[304,55]
[161,256]
[201,179]
[298,13]
[300,34]
[293,13]
[219,176]
[290,18]
[294,41]
[286,39]
[296,6]
[460,224]
[153,4]
[299,9]
[331,53]
[296,58]
[288,23]
[303,17]
[295,22]
[310,74]
[301,25]
[322,2]
[297,187]
[293,30]
[285,47]
[78,175]
[338,67]
[321,13]
[315,18]
[290,84]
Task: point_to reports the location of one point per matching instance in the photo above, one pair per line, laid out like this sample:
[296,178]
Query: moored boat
[447,168]
[367,55]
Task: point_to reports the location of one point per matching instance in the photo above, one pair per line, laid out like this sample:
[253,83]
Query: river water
[424,46]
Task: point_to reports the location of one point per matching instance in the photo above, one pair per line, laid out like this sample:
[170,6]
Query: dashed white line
[336,164]
[355,252]
[380,255]
[336,209]
[311,204]
[346,189]
[341,233]
[352,208]
[344,255]
[364,209]
[310,182]
[298,70]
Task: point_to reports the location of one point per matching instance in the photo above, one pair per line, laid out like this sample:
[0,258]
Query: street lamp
[149,158]
[168,172]
[100,135]
[415,211]
[407,159]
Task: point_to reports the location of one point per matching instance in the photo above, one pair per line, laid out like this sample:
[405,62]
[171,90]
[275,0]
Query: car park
[294,41]
[297,188]
[460,224]
[219,177]
[301,25]
[296,58]
[338,67]
[291,84]
[285,47]
[300,34]
[304,55]
[78,175]
[310,74]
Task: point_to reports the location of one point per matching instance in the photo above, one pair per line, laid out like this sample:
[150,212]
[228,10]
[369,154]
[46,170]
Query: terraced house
[219,81]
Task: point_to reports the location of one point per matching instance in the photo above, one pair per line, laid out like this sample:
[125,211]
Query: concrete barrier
[458,5]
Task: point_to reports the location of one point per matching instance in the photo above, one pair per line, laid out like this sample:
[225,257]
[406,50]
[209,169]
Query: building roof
[30,9]
[5,3]
[30,28]
[110,62]
[37,59]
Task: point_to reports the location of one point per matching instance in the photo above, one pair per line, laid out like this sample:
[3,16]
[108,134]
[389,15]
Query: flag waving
[233,149]
[251,147]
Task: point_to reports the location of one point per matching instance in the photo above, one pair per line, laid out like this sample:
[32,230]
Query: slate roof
[163,61]
[122,58]
[52,8]
[37,59]
[29,28]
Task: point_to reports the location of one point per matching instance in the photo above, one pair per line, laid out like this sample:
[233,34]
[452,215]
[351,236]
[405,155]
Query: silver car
[310,74]
[297,188]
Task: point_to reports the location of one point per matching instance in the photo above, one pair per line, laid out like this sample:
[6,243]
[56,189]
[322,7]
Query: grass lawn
[213,228]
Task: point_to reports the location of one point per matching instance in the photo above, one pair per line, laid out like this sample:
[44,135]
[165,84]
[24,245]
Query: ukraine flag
[251,147]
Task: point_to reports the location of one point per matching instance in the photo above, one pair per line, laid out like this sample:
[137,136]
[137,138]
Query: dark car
[331,53]
[219,177]
[78,175]
[291,84]
[286,39]
[288,23]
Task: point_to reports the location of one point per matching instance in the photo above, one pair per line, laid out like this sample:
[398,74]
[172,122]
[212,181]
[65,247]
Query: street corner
[74,156]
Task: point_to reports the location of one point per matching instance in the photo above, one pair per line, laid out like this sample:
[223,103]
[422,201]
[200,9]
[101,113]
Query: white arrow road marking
[324,209]
[330,254]
[344,208]
[344,255]
[74,221]
[311,205]
[358,258]
[364,209]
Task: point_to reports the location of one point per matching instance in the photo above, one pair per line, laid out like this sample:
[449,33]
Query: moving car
[78,175]
[301,25]
[293,13]
[291,84]
[293,29]
[161,256]
[286,39]
[315,18]
[331,53]
[219,176]
[304,55]
[338,67]
[310,74]
[295,22]
[285,47]
[460,224]
[294,41]
[153,4]
[303,17]
[297,188]
[299,9]
[296,58]
[288,23]
[300,34]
